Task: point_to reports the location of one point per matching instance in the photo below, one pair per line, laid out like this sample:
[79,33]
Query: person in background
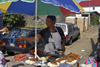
[53,36]
[3,61]
[99,30]
[4,30]
[98,49]
[97,52]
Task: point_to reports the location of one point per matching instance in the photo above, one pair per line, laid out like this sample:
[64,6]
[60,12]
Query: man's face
[49,22]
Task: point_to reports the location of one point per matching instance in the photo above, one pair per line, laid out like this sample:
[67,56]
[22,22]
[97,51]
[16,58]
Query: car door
[70,33]
[75,31]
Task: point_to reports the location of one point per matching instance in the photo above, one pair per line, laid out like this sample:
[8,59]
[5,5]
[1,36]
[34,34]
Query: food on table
[60,60]
[71,57]
[48,57]
[31,61]
[20,57]
[63,61]
[53,62]
[43,58]
[30,57]
[33,51]
[74,61]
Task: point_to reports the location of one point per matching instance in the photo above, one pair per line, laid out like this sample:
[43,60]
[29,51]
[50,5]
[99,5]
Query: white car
[71,31]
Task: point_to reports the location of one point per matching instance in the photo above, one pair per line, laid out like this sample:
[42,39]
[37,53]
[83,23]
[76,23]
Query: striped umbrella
[40,7]
[44,7]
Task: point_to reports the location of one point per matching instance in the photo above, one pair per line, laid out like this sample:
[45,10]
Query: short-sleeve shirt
[2,60]
[45,33]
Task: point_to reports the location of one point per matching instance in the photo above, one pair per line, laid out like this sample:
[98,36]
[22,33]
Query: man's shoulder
[45,29]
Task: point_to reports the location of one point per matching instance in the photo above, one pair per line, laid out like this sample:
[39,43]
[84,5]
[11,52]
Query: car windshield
[63,27]
[22,33]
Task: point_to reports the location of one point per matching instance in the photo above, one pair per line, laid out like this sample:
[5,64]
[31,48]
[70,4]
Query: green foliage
[13,20]
[40,27]
[94,20]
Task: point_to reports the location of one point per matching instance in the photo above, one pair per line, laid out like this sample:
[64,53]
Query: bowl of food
[61,60]
[44,59]
[53,64]
[30,61]
[72,62]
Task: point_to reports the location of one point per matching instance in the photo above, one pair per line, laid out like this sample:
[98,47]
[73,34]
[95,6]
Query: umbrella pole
[35,28]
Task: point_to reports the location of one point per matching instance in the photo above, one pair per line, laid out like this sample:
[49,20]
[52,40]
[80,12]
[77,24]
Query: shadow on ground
[94,47]
[18,65]
[72,42]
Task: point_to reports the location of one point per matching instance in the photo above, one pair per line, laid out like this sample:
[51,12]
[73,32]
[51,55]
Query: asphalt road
[84,46]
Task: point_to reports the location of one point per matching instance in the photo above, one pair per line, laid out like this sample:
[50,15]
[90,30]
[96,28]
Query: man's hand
[18,39]
[4,30]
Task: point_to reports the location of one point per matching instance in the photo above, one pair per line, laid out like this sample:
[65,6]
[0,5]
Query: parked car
[71,31]
[23,46]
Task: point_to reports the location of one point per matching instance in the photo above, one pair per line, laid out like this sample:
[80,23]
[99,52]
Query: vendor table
[53,57]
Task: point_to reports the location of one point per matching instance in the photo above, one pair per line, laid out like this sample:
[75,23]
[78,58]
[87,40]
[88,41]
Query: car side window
[75,26]
[70,28]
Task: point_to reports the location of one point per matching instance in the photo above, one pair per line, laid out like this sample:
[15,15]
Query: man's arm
[4,30]
[63,43]
[32,39]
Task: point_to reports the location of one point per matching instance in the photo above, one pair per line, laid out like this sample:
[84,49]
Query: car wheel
[78,37]
[3,50]
[70,41]
[10,53]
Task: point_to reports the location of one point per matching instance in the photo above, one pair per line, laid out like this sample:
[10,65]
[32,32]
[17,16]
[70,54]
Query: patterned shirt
[2,60]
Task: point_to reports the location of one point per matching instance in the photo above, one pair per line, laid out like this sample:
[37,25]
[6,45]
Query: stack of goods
[33,51]
[20,57]
[72,57]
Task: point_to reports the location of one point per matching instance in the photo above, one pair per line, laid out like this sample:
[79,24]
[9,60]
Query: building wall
[30,20]
[97,8]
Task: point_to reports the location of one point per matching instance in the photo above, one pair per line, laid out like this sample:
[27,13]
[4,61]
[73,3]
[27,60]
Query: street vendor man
[53,36]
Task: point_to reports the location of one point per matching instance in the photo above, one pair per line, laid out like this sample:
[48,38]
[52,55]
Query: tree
[13,20]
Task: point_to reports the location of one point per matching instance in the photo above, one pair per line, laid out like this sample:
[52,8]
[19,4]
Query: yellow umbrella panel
[81,9]
[5,6]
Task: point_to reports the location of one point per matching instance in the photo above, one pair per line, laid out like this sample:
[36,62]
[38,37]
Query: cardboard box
[71,19]
[81,23]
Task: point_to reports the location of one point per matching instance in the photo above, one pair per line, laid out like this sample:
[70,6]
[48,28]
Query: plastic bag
[91,60]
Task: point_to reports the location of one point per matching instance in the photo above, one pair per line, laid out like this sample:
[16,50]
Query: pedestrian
[3,61]
[97,52]
[53,36]
[99,30]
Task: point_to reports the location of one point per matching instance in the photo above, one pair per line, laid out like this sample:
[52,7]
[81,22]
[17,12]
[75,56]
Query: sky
[78,1]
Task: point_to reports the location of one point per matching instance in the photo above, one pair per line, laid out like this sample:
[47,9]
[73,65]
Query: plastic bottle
[77,64]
